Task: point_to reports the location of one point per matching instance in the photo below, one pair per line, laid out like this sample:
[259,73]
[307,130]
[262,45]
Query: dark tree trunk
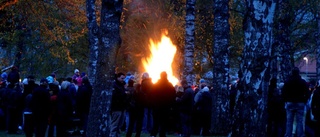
[189,47]
[109,42]
[250,113]
[318,47]
[93,33]
[221,107]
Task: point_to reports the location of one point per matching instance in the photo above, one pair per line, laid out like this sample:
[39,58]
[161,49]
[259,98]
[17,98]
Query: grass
[4,134]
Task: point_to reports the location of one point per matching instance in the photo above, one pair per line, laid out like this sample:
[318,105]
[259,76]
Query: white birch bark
[220,118]
[189,47]
[249,115]
[93,32]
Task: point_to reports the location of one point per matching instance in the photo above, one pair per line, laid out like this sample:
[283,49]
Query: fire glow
[160,59]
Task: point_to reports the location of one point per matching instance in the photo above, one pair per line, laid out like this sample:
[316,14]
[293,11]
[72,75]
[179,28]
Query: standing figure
[40,108]
[83,100]
[163,98]
[146,89]
[185,104]
[203,105]
[65,109]
[12,100]
[118,105]
[276,111]
[295,92]
[135,109]
[53,116]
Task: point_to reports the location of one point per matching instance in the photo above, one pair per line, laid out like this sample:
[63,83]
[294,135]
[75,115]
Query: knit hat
[4,75]
[50,79]
[76,71]
[202,81]
[25,81]
[205,89]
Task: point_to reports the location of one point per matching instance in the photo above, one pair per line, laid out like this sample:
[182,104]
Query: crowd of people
[47,107]
[159,108]
[140,106]
[44,108]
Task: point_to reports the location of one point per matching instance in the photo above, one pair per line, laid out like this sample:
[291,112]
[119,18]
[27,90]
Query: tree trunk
[250,113]
[189,47]
[220,114]
[283,42]
[318,47]
[109,42]
[93,33]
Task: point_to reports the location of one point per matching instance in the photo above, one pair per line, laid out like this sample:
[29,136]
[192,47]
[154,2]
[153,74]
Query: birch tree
[93,33]
[106,39]
[221,38]
[318,46]
[249,115]
[189,47]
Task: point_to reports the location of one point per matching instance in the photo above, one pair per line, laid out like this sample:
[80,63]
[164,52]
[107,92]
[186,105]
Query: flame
[161,58]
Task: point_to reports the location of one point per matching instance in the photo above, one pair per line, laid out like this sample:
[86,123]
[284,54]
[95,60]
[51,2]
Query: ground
[4,134]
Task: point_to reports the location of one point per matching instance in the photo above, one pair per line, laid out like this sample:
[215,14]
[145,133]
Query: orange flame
[161,58]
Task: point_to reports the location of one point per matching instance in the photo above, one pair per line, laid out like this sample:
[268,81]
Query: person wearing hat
[76,78]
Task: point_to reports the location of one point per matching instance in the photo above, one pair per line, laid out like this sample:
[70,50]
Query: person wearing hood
[295,95]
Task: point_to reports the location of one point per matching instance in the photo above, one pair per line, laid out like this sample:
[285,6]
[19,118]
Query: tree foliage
[49,36]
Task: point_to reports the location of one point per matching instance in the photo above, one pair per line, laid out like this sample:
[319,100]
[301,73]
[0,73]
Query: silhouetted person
[40,108]
[203,105]
[14,76]
[118,105]
[146,89]
[185,105]
[65,109]
[13,98]
[276,111]
[135,109]
[295,92]
[163,97]
[83,99]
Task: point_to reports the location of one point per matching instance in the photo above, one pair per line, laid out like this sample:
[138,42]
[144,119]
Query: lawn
[4,134]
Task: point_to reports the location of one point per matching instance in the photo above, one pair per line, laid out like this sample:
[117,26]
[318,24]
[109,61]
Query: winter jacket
[118,102]
[83,99]
[295,90]
[185,102]
[40,103]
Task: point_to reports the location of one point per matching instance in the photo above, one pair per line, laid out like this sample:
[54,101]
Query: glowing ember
[160,60]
